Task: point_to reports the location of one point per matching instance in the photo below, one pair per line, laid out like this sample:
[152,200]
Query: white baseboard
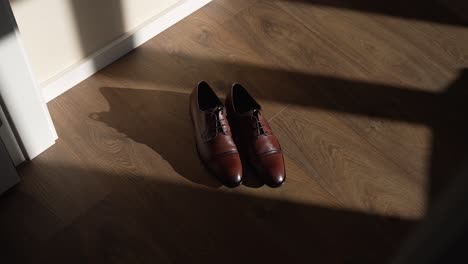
[119,47]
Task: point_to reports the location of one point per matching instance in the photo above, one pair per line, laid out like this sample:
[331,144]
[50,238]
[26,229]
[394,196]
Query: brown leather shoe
[254,137]
[213,136]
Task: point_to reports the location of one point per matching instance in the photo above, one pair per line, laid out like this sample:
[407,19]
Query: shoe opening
[242,100]
[207,99]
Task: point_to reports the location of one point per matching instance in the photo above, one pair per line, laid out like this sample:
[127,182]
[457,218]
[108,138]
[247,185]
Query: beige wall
[59,33]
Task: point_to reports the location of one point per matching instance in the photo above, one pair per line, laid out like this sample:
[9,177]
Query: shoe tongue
[251,113]
[215,109]
[254,112]
[216,112]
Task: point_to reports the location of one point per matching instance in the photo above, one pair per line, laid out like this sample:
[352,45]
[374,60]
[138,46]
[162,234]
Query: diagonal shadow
[157,119]
[150,221]
[160,120]
[444,112]
[437,11]
[98,23]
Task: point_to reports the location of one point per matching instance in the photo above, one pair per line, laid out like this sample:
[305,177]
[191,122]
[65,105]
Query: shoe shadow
[154,221]
[160,120]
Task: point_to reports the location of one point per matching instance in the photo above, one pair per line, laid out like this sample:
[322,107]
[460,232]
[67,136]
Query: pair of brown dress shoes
[247,132]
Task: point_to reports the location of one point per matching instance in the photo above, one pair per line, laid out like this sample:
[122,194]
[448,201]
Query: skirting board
[118,48]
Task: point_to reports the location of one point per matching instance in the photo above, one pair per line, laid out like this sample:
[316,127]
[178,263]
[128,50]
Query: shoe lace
[219,123]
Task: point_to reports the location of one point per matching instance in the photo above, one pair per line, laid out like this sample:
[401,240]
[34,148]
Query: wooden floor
[367,102]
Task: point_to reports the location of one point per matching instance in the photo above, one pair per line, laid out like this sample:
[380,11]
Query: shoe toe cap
[228,169]
[273,170]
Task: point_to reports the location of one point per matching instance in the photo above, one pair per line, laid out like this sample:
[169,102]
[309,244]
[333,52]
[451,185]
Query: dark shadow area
[8,175]
[148,221]
[160,120]
[98,23]
[443,235]
[5,22]
[450,134]
[437,11]
[444,112]
[279,85]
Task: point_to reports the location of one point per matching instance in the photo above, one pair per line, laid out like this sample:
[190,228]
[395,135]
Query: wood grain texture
[367,102]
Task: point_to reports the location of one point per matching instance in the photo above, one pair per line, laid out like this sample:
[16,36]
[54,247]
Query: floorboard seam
[269,120]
